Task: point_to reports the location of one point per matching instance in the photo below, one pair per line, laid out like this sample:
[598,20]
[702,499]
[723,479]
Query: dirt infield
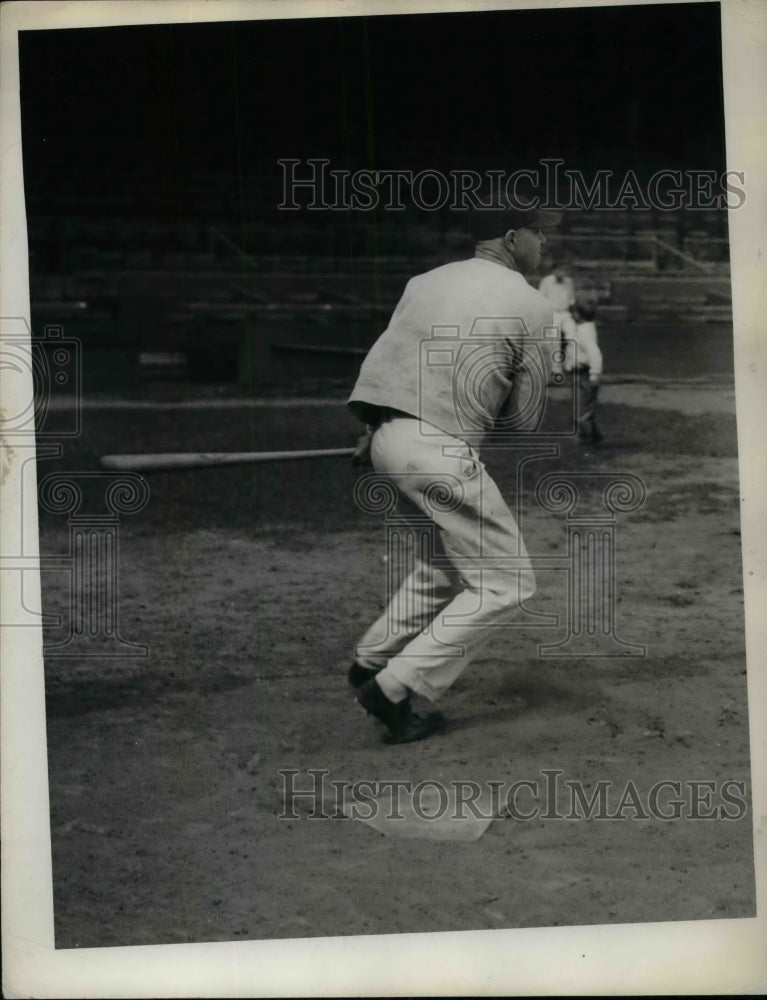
[249,587]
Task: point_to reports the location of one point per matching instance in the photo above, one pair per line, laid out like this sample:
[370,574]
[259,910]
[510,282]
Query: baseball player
[559,289]
[426,419]
[583,361]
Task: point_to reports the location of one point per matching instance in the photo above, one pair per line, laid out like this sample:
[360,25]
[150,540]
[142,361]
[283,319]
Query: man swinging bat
[425,424]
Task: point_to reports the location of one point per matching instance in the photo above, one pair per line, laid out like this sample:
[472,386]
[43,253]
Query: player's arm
[519,412]
[529,371]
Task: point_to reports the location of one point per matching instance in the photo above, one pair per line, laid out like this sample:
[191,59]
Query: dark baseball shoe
[403,724]
[359,675]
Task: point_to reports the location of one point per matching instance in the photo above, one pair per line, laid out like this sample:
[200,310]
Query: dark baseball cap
[532,218]
[487,225]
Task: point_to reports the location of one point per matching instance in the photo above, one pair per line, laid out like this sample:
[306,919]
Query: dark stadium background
[151,175]
[618,87]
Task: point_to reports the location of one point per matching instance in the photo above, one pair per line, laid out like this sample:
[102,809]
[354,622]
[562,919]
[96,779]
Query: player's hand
[361,456]
[595,379]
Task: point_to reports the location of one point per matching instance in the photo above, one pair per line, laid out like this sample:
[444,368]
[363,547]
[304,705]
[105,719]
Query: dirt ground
[250,585]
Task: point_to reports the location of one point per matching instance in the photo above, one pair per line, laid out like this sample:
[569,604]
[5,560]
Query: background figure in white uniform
[559,288]
[583,362]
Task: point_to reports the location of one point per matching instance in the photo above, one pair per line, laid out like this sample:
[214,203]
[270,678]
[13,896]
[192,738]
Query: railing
[70,245]
[647,251]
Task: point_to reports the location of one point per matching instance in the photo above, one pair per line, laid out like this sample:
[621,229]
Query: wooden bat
[179,461]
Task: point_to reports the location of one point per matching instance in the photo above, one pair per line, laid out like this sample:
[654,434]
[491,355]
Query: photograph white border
[705,957]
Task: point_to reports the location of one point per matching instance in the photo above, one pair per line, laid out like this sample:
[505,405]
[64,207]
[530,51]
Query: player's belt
[387,413]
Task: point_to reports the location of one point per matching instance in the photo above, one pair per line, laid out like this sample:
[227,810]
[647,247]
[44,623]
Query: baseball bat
[178,461]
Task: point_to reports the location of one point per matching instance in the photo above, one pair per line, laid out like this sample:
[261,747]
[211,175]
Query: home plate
[424,811]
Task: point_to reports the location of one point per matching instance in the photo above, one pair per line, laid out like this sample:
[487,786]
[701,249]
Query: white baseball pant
[442,615]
